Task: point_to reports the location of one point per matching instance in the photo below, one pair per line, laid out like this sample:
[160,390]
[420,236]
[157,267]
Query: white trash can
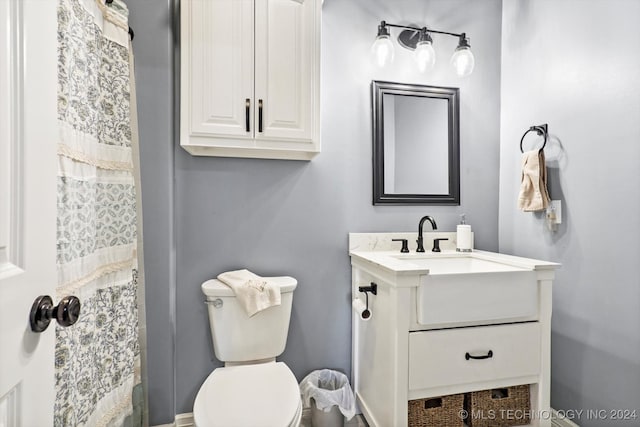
[320,418]
[329,395]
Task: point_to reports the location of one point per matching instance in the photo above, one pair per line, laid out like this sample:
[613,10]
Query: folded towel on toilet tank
[253,292]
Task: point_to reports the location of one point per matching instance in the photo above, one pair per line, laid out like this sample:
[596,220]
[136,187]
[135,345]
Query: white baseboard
[558,421]
[184,420]
[181,420]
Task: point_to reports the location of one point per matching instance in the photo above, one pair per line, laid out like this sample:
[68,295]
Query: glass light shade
[463,61]
[382,50]
[425,56]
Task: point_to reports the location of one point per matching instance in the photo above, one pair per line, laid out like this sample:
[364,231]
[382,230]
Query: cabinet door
[287,70]
[217,66]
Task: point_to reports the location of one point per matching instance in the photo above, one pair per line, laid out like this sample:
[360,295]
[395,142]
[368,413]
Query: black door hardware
[260,115]
[43,310]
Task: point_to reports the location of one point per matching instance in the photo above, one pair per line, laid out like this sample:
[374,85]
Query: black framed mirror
[416,144]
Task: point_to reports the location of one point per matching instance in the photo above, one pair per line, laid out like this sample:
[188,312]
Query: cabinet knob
[42,311]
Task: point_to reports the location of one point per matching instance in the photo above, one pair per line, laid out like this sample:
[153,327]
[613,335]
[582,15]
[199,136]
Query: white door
[28,134]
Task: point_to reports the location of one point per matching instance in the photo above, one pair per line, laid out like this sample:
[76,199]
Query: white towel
[533,184]
[252,291]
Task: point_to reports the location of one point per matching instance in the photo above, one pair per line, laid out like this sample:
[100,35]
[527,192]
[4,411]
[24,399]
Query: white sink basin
[460,289]
[466,289]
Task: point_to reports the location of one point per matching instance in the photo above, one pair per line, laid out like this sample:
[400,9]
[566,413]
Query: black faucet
[433,226]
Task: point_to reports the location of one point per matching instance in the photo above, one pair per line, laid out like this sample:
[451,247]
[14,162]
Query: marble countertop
[379,249]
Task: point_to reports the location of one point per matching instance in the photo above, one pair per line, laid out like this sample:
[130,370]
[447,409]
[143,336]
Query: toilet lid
[261,395]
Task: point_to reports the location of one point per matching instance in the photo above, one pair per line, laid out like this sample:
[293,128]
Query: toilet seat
[261,395]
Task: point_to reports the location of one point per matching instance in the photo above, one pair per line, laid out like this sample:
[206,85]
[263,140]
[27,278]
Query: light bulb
[463,61]
[424,55]
[382,50]
[462,58]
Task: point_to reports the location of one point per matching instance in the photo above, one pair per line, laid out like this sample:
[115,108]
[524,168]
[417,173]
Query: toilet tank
[240,338]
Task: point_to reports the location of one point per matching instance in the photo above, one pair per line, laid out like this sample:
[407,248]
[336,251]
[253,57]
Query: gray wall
[281,217]
[286,217]
[153,48]
[575,64]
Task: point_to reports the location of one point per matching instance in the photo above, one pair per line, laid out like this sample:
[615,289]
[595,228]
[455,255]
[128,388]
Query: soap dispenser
[463,236]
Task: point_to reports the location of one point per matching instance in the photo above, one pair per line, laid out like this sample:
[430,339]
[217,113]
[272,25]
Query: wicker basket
[503,407]
[436,411]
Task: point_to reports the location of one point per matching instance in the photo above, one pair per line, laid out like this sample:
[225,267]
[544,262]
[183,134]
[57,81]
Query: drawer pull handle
[489,355]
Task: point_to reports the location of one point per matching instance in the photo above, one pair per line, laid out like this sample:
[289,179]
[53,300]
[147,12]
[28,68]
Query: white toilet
[252,389]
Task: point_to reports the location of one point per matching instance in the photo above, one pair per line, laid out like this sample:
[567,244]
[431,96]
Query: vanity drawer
[446,357]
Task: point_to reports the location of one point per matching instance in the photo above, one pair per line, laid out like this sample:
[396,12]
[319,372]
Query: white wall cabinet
[250,78]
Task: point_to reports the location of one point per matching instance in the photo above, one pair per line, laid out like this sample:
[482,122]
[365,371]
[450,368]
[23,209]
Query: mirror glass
[415,144]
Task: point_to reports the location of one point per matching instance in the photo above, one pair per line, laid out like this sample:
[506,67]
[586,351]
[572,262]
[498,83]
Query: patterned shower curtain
[97,360]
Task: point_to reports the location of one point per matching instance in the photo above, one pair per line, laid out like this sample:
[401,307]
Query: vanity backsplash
[384,241]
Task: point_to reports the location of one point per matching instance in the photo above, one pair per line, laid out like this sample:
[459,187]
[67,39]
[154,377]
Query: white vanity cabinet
[250,78]
[473,333]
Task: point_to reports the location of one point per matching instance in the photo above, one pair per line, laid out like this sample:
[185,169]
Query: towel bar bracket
[540,130]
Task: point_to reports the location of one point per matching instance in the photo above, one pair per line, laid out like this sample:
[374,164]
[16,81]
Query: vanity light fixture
[382,48]
[424,54]
[419,40]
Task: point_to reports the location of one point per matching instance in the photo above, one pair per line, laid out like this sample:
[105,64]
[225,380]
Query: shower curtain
[97,360]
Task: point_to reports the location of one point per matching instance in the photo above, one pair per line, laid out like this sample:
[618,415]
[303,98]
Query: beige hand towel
[533,186]
[252,291]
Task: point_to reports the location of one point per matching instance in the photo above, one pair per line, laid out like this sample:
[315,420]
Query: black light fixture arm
[428,30]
